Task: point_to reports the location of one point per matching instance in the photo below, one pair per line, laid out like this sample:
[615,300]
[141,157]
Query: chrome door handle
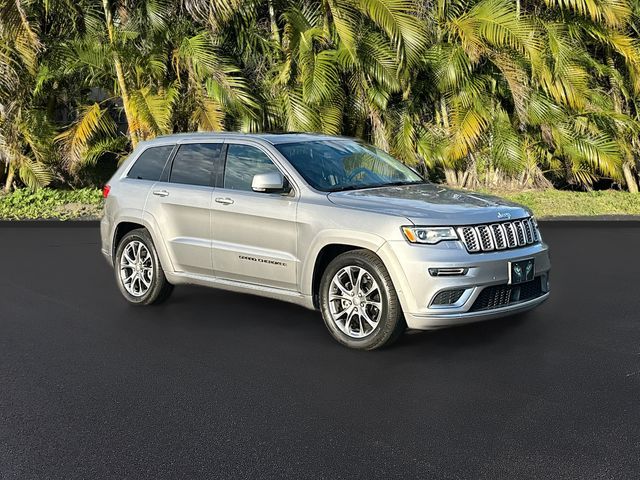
[224,200]
[161,193]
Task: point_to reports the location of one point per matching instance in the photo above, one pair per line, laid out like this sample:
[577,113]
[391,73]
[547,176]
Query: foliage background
[476,93]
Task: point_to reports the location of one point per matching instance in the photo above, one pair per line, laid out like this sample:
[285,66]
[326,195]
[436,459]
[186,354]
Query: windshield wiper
[377,185]
[399,184]
[346,187]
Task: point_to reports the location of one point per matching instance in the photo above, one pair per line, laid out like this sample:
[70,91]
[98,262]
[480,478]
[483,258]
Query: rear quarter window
[151,163]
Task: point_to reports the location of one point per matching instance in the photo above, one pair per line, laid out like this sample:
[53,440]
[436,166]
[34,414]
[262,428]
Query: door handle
[224,201]
[161,193]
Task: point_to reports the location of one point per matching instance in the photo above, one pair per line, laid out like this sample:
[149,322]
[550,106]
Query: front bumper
[409,268]
[441,320]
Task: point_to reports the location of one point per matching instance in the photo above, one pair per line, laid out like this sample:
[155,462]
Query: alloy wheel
[355,302]
[136,268]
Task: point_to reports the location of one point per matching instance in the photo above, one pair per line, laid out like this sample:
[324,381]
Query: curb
[594,218]
[609,221]
[56,223]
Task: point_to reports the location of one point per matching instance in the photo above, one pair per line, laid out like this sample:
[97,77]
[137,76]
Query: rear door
[181,205]
[254,234]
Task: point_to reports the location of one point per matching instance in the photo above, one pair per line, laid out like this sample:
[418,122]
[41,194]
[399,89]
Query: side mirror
[272,182]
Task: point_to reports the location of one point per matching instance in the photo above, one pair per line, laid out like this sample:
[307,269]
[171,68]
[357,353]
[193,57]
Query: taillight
[105,191]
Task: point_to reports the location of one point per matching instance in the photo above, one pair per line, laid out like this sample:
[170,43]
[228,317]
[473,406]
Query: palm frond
[91,122]
[610,12]
[598,151]
[15,26]
[468,123]
[33,173]
[397,19]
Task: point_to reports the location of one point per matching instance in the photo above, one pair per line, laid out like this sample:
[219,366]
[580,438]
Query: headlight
[430,235]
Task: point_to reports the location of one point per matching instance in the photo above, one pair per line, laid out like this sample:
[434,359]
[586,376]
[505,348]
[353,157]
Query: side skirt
[242,287]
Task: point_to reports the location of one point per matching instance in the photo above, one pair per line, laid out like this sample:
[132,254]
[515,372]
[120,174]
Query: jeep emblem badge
[504,215]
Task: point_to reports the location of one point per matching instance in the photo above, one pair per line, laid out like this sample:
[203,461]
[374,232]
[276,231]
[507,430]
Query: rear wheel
[359,303]
[139,274]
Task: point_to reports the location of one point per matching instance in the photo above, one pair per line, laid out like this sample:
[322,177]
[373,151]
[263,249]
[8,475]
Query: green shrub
[87,203]
[49,203]
[552,203]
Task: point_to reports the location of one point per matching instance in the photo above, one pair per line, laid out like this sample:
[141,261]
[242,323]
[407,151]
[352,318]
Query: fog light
[448,272]
[447,297]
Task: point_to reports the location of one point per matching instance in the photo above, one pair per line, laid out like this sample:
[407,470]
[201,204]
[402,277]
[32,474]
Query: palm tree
[508,92]
[164,79]
[325,65]
[25,132]
[596,66]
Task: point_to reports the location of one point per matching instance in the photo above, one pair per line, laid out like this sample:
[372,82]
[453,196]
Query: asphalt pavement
[220,385]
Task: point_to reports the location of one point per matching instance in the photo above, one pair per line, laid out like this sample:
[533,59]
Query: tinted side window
[150,164]
[194,163]
[243,162]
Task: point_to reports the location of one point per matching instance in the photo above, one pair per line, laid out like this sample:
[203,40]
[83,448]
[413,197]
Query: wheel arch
[323,259]
[326,249]
[327,246]
[120,230]
[126,224]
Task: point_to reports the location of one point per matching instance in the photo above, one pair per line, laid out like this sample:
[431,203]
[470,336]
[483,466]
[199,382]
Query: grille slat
[484,234]
[497,296]
[470,239]
[511,235]
[528,230]
[520,233]
[499,236]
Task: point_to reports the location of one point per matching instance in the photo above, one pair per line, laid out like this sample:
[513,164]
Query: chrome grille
[499,236]
[528,230]
[470,238]
[511,235]
[486,239]
[519,233]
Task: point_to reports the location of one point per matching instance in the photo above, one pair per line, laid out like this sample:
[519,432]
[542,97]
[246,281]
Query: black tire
[391,322]
[159,289]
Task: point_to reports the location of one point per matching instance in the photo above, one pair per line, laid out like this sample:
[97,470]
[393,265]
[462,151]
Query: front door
[254,234]
[181,206]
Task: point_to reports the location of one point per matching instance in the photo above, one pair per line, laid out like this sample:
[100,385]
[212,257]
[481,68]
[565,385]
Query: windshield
[336,165]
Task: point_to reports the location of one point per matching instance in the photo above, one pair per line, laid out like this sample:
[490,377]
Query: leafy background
[492,94]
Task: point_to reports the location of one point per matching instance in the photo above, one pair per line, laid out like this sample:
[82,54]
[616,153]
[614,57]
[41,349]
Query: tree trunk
[378,133]
[630,178]
[10,176]
[618,105]
[464,179]
[126,101]
[122,84]
[275,32]
[445,114]
[326,21]
[451,176]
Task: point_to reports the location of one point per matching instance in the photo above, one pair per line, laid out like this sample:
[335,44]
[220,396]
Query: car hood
[430,204]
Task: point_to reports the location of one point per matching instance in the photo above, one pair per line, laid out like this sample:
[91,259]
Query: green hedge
[48,203]
[87,203]
[552,203]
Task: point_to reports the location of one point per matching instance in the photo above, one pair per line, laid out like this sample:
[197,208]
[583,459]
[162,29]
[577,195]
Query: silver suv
[326,222]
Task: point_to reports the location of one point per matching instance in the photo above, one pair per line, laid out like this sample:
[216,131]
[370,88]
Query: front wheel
[139,274]
[359,303]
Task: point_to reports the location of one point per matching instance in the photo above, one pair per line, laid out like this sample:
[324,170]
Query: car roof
[272,138]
